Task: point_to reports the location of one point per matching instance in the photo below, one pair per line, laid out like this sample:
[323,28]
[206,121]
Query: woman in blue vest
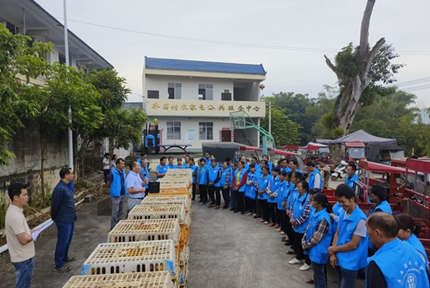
[292,195]
[317,239]
[233,200]
[409,230]
[262,190]
[202,180]
[239,185]
[378,196]
[224,183]
[299,218]
[251,190]
[282,201]
[273,198]
[214,175]
[193,168]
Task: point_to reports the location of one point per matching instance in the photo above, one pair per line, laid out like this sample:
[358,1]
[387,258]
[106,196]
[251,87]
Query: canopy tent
[313,146]
[357,136]
[373,150]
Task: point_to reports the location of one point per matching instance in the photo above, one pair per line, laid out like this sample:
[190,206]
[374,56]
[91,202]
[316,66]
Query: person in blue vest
[202,180]
[224,183]
[272,201]
[254,161]
[233,200]
[268,163]
[296,178]
[193,167]
[409,231]
[207,157]
[214,175]
[263,187]
[187,161]
[294,165]
[118,191]
[318,238]
[396,263]
[246,165]
[161,169]
[143,162]
[378,196]
[289,185]
[179,164]
[251,190]
[351,177]
[348,252]
[284,165]
[281,201]
[337,209]
[315,177]
[239,185]
[299,219]
[170,164]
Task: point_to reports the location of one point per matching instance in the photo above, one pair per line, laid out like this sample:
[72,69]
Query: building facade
[192,100]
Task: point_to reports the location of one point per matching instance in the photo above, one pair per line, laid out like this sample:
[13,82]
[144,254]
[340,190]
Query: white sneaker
[305,267]
[294,261]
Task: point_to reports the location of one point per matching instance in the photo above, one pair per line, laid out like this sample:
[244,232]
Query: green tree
[21,61]
[361,72]
[284,130]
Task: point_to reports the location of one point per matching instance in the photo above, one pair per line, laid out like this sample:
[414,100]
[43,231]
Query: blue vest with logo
[194,170]
[161,170]
[337,209]
[115,186]
[203,175]
[251,189]
[416,243]
[292,197]
[224,174]
[273,187]
[263,182]
[298,209]
[384,206]
[354,259]
[351,180]
[312,179]
[319,252]
[241,189]
[401,265]
[282,194]
[213,174]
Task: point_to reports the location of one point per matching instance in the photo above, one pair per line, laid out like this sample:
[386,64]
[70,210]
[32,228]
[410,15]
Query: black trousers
[106,174]
[280,217]
[250,204]
[226,196]
[203,193]
[298,246]
[211,190]
[240,203]
[290,231]
[217,196]
[264,209]
[272,212]
[194,191]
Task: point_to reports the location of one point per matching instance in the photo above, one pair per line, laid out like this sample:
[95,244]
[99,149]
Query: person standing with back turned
[18,236]
[64,215]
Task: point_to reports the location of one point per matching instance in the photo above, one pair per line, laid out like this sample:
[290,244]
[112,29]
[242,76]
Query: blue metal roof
[203,66]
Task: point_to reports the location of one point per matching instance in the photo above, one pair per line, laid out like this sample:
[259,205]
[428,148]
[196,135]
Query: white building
[192,100]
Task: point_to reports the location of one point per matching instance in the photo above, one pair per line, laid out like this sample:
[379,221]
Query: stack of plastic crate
[145,230]
[133,257]
[160,279]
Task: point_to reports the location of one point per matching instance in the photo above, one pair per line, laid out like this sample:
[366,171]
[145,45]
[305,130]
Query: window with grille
[174,90]
[173,130]
[206,92]
[206,131]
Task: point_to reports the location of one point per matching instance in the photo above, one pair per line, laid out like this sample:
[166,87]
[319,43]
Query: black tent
[373,150]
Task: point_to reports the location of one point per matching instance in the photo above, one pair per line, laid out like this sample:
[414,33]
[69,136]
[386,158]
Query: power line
[231,43]
[414,82]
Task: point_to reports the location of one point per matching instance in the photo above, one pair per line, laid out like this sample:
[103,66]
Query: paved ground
[227,250]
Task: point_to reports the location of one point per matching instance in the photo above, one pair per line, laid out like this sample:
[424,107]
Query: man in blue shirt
[352,177]
[64,215]
[135,186]
[161,169]
[118,191]
[170,165]
[396,263]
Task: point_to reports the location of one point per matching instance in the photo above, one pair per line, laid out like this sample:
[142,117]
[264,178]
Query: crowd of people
[281,196]
[316,234]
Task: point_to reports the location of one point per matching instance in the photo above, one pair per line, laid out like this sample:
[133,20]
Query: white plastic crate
[158,211]
[168,199]
[131,257]
[145,230]
[179,173]
[159,279]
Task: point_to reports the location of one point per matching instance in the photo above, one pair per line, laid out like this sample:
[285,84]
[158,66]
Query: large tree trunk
[348,100]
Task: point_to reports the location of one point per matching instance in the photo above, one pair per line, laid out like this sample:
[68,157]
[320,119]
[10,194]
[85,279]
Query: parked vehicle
[339,171]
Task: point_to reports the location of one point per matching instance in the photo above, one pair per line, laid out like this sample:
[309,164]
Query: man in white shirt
[135,185]
[106,166]
[18,236]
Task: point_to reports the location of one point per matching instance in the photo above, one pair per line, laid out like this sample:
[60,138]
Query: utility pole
[66,48]
[270,117]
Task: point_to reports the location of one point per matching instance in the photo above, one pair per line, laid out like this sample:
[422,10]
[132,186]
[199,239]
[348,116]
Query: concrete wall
[26,166]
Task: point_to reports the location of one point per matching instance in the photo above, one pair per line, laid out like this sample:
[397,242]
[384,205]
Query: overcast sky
[288,37]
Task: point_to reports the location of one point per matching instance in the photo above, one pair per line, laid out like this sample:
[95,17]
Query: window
[62,59]
[226,96]
[153,94]
[173,130]
[206,130]
[174,90]
[206,92]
